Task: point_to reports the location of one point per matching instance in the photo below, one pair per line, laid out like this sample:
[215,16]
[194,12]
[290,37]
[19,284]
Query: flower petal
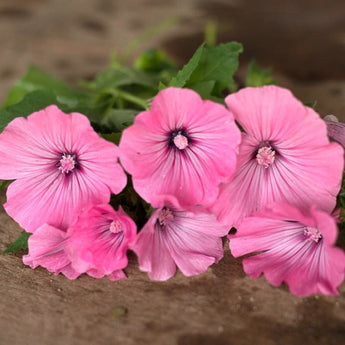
[153,254]
[47,249]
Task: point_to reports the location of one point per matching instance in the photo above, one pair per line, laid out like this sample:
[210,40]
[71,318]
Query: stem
[133,99]
[129,97]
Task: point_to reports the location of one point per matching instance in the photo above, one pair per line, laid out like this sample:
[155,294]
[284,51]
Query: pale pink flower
[335,129]
[294,247]
[173,236]
[182,146]
[285,156]
[60,165]
[99,241]
[96,244]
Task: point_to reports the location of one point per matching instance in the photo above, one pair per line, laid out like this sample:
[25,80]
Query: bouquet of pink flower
[201,158]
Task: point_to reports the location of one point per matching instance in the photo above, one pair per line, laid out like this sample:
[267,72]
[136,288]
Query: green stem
[129,97]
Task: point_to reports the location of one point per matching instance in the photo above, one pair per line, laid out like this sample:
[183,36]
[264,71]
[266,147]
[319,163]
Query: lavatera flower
[183,146]
[60,165]
[174,236]
[285,156]
[96,244]
[293,247]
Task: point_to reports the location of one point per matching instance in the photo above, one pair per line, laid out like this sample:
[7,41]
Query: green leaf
[184,75]
[154,61]
[205,88]
[117,76]
[161,86]
[112,137]
[21,243]
[32,102]
[36,79]
[257,76]
[115,120]
[217,64]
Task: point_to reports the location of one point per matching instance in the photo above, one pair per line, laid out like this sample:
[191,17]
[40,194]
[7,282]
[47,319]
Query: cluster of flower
[276,183]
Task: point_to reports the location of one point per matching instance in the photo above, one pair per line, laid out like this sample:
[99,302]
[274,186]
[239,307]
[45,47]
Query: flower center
[313,234]
[67,163]
[164,216]
[265,156]
[115,227]
[179,139]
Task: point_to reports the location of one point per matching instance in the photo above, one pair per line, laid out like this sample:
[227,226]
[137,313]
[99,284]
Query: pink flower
[99,241]
[60,165]
[285,156]
[47,249]
[189,239]
[95,244]
[294,247]
[183,146]
[335,129]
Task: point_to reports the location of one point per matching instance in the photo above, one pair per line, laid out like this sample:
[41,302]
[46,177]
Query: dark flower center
[179,139]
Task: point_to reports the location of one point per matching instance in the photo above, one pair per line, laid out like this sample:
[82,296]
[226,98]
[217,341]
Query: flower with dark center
[60,165]
[183,146]
[285,156]
[175,236]
[293,247]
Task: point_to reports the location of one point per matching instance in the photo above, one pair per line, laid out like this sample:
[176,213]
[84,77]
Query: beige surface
[73,39]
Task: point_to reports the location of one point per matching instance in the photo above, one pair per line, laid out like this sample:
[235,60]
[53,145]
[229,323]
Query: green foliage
[185,73]
[210,71]
[36,79]
[116,119]
[21,243]
[257,76]
[132,204]
[154,61]
[122,87]
[31,102]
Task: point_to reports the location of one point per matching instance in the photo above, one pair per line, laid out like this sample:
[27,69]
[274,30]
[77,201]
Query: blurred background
[303,41]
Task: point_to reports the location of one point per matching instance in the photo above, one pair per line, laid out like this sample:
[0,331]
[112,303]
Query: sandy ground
[305,43]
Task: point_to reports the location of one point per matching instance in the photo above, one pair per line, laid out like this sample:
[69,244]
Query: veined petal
[192,251]
[52,198]
[47,249]
[153,254]
[291,246]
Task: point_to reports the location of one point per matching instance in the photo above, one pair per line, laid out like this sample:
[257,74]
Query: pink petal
[117,275]
[47,249]
[153,254]
[52,198]
[93,245]
[192,251]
